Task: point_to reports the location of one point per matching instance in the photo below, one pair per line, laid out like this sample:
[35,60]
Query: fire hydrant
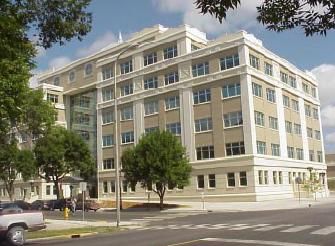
[66,213]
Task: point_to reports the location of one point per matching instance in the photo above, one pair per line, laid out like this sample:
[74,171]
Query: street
[299,227]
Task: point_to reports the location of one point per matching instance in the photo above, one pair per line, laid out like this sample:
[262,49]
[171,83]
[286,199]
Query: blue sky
[315,54]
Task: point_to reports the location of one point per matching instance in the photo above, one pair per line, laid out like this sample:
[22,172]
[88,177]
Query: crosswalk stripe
[298,228]
[269,228]
[325,231]
[244,227]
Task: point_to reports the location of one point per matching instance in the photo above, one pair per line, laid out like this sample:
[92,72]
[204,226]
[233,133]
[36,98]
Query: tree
[60,152]
[313,16]
[13,162]
[158,158]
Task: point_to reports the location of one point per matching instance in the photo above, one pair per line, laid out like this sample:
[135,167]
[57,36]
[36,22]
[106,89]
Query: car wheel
[16,236]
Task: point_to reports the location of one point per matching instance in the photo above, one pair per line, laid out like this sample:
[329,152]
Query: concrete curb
[63,237]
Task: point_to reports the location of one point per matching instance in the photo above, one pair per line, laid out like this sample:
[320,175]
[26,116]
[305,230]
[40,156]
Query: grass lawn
[69,232]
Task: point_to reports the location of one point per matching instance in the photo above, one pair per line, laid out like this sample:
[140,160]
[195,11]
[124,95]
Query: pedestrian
[73,205]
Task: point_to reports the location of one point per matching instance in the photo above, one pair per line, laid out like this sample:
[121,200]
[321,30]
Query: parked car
[88,205]
[41,205]
[60,204]
[14,222]
[23,204]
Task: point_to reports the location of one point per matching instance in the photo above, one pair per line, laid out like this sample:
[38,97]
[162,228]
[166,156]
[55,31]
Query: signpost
[83,188]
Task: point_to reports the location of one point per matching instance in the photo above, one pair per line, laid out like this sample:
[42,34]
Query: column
[99,140]
[243,53]
[138,119]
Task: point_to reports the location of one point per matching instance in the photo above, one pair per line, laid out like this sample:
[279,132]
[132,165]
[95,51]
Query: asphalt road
[302,227]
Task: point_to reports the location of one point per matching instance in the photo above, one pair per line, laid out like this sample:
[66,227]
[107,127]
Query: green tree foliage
[13,162]
[158,158]
[60,152]
[313,16]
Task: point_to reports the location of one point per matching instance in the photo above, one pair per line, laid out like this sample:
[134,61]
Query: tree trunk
[161,202]
[10,190]
[56,183]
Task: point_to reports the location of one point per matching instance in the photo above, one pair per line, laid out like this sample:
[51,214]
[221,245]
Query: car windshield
[8,205]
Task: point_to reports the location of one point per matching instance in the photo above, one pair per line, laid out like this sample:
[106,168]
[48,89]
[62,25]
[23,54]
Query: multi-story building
[249,119]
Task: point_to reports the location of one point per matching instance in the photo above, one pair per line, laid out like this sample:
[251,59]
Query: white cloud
[40,51]
[330,138]
[59,62]
[101,42]
[242,18]
[325,74]
[328,116]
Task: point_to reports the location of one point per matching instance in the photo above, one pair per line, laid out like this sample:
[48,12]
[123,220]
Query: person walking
[73,205]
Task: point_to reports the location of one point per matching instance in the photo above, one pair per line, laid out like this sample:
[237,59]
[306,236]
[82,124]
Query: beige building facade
[250,120]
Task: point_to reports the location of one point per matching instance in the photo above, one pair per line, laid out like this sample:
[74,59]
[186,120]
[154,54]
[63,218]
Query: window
[260,177]
[254,62]
[286,101]
[300,154]
[127,89]
[271,95]
[289,178]
[309,132]
[52,98]
[83,102]
[275,149]
[171,78]
[243,179]
[319,156]
[107,116]
[315,113]
[297,129]
[202,96]
[313,92]
[233,119]
[200,181]
[200,69]
[205,152]
[170,52]
[257,90]
[72,76]
[56,81]
[236,148]
[174,128]
[150,58]
[211,181]
[113,188]
[105,187]
[107,73]
[273,123]
[202,125]
[275,177]
[124,186]
[231,179]
[88,69]
[295,105]
[268,69]
[305,88]
[231,90]
[293,81]
[172,102]
[107,140]
[259,118]
[127,137]
[151,108]
[108,163]
[126,67]
[290,152]
[261,148]
[317,135]
[280,177]
[151,129]
[284,77]
[81,118]
[288,126]
[229,62]
[127,113]
[311,155]
[266,177]
[107,94]
[85,135]
[308,112]
[150,83]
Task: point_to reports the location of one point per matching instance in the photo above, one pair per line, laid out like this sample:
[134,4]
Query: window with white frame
[305,88]
[275,149]
[107,116]
[299,154]
[107,94]
[273,123]
[151,129]
[205,152]
[52,98]
[202,125]
[113,187]
[171,78]
[108,164]
[229,62]
[286,101]
[266,177]
[259,118]
[319,155]
[308,111]
[243,179]
[288,126]
[127,89]
[309,132]
[174,128]
[290,152]
[297,129]
[295,105]
[211,181]
[150,107]
[150,83]
[311,155]
[231,90]
[200,69]
[127,137]
[127,113]
[56,81]
[313,92]
[280,177]
[236,148]
[317,135]
[126,67]
[72,76]
[271,95]
[290,179]
[88,69]
[315,113]
[150,58]
[275,177]
[105,187]
[172,102]
[260,177]
[254,62]
[261,147]
[202,96]
[170,52]
[233,119]
[200,181]
[81,118]
[107,140]
[107,73]
[293,81]
[231,179]
[284,77]
[268,69]
[257,90]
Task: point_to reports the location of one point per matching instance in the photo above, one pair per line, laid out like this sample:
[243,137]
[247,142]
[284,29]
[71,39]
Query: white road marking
[244,227]
[269,228]
[219,226]
[257,242]
[325,231]
[299,228]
